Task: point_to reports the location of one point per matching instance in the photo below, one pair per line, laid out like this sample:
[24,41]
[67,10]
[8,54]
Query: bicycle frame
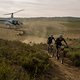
[60,54]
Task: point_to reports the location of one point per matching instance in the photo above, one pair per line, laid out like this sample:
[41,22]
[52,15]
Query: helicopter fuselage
[12,22]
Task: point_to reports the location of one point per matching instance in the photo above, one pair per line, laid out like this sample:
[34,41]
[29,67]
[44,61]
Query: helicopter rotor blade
[8,14]
[18,11]
[14,12]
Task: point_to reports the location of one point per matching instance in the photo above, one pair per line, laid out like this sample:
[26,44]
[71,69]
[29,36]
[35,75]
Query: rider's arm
[54,39]
[65,42]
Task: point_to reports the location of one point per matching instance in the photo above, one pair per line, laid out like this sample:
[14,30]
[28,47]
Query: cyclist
[50,43]
[59,44]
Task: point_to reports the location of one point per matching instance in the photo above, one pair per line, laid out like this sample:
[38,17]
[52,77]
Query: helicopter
[12,22]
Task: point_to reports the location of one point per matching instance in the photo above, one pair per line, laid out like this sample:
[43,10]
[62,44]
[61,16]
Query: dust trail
[34,39]
[38,31]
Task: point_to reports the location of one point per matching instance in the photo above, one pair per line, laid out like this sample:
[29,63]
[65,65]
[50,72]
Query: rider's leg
[57,53]
[48,48]
[62,55]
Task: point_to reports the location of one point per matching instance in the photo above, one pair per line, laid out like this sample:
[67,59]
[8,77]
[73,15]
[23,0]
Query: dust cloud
[34,39]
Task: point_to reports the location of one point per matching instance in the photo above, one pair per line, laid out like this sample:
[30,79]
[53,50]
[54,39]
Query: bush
[36,64]
[12,72]
[75,58]
[22,61]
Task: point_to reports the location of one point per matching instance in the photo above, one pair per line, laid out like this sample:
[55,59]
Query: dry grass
[36,30]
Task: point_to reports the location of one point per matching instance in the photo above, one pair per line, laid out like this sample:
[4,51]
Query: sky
[40,8]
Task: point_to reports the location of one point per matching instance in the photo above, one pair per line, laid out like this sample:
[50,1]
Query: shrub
[75,58]
[21,60]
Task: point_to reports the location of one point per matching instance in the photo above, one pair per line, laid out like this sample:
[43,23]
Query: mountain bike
[61,53]
[51,50]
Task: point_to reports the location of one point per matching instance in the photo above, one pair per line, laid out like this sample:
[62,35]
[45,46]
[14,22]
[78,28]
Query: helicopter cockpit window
[13,21]
[17,22]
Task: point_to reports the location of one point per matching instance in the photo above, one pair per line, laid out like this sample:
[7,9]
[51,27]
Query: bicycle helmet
[61,36]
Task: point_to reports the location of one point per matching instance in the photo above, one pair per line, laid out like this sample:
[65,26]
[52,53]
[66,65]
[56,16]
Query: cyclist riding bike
[59,45]
[50,43]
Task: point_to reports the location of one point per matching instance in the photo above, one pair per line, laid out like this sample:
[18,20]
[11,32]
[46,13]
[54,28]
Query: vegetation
[42,27]
[75,58]
[19,61]
[71,24]
[45,26]
[74,53]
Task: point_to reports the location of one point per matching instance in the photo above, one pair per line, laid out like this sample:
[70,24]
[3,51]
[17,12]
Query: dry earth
[65,71]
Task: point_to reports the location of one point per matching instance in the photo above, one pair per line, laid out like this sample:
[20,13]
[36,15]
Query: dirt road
[66,71]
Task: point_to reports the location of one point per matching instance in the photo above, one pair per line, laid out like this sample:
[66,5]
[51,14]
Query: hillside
[20,61]
[41,28]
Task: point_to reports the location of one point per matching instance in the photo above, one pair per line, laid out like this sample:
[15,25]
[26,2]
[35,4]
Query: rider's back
[50,40]
[59,41]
